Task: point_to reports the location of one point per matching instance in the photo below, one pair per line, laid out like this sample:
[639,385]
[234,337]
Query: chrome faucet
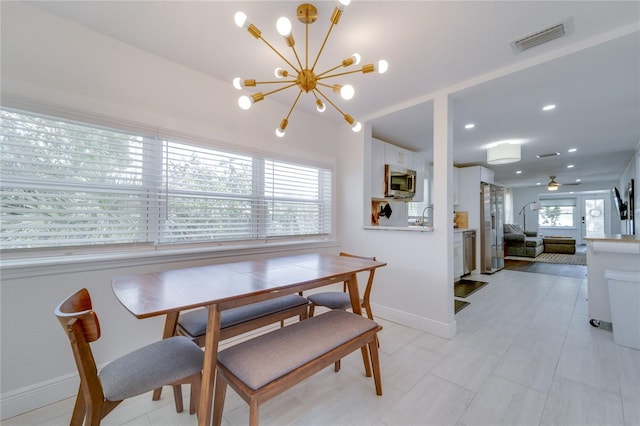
[424,210]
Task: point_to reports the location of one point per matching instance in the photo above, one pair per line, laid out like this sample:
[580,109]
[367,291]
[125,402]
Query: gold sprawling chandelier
[304,76]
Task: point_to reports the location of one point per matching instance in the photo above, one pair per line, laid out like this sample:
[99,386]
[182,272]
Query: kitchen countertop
[413,228]
[401,228]
[615,238]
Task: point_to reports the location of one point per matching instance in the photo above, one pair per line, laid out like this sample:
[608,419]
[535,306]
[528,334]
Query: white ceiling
[592,74]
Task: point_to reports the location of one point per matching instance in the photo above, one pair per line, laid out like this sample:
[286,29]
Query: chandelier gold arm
[295,52]
[255,83]
[280,89]
[362,70]
[347,62]
[332,104]
[335,18]
[293,105]
[257,97]
[254,31]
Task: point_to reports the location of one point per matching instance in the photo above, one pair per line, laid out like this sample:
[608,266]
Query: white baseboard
[440,329]
[38,395]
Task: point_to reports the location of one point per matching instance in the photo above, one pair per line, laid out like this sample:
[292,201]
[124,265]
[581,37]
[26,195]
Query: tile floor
[524,354]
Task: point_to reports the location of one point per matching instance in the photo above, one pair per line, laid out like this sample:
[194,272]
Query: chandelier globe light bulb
[240,18]
[357,126]
[356,58]
[244,102]
[347,92]
[280,132]
[237,83]
[383,66]
[281,73]
[283,25]
[344,2]
[320,106]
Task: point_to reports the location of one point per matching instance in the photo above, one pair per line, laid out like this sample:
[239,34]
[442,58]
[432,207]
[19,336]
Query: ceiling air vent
[540,37]
[550,154]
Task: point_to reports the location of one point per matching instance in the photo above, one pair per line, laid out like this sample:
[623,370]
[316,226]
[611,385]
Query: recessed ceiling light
[469,126]
[570,166]
[538,183]
[548,107]
[578,180]
[518,172]
[572,150]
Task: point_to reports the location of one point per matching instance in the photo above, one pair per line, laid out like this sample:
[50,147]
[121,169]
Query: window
[557,212]
[71,184]
[416,208]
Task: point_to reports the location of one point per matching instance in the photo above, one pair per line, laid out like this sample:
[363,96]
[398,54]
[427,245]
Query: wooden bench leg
[375,364]
[365,360]
[170,323]
[194,397]
[177,396]
[218,399]
[253,412]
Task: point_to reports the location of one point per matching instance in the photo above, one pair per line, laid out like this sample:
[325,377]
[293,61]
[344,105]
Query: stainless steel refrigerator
[491,233]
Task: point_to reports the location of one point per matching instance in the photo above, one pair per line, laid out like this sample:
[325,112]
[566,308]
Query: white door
[594,220]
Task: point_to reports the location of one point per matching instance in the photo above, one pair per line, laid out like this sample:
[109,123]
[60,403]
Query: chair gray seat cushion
[195,322]
[151,367]
[331,299]
[263,359]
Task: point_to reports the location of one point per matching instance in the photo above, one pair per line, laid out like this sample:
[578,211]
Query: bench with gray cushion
[263,367]
[235,321]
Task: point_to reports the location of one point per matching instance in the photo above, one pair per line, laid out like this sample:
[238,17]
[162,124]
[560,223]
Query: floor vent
[540,37]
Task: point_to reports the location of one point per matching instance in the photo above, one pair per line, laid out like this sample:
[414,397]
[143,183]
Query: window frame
[171,136]
[560,203]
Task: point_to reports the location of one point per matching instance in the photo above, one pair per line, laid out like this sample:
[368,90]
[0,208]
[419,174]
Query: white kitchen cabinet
[398,157]
[486,175]
[458,256]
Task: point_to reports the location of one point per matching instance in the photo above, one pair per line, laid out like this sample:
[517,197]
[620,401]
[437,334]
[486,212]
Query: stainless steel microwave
[399,183]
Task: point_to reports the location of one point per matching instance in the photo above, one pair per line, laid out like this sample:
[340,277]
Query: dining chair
[168,362]
[342,300]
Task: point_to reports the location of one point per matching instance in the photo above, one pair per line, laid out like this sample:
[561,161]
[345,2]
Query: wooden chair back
[367,291]
[82,327]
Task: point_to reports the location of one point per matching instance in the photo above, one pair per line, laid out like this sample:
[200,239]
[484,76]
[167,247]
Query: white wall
[415,288]
[49,61]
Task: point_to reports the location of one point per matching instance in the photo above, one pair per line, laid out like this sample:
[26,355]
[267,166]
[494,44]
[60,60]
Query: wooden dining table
[228,285]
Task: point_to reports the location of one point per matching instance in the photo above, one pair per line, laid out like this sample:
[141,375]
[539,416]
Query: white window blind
[70,184]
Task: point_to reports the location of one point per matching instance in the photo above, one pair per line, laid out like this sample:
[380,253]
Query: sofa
[521,243]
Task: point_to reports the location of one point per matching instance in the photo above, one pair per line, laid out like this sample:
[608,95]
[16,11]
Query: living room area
[549,228]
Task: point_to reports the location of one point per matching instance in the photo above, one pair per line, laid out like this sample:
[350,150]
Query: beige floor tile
[573,403]
[467,367]
[501,402]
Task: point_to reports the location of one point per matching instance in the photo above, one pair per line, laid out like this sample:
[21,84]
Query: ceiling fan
[553,185]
